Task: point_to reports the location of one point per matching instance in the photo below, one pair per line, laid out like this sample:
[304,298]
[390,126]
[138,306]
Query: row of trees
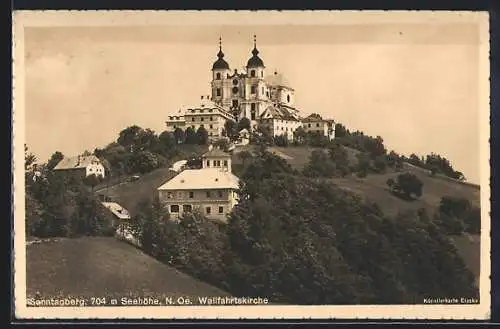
[289,230]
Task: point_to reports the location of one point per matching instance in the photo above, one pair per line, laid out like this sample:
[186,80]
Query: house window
[253,89]
[225,163]
[208,210]
[191,195]
[288,98]
[221,210]
[174,208]
[220,194]
[218,91]
[170,195]
[192,119]
[217,76]
[180,195]
[208,163]
[187,208]
[252,73]
[209,194]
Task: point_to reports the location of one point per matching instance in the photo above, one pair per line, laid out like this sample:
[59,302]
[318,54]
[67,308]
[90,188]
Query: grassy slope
[97,267]
[372,188]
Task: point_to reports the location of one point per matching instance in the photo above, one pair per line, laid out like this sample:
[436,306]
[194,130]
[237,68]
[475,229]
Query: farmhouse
[253,94]
[211,190]
[81,165]
[316,124]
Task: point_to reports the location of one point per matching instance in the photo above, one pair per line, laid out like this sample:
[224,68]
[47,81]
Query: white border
[22,19]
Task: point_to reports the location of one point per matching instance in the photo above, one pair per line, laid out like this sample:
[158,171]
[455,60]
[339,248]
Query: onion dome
[255,60]
[220,63]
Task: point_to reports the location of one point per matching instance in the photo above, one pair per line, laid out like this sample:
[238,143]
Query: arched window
[252,73]
[217,76]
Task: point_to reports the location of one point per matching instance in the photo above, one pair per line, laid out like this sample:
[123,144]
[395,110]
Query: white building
[81,165]
[251,94]
[211,190]
[316,124]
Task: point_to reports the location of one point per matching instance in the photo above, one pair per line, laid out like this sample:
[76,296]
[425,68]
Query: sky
[416,85]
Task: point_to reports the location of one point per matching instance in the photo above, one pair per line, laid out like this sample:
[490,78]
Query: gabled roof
[200,179]
[117,210]
[277,80]
[77,162]
[215,152]
[280,112]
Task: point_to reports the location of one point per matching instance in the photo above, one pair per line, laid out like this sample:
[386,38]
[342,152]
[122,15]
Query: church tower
[220,73]
[256,87]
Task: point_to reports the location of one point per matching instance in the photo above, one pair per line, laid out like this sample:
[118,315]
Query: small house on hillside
[81,165]
[116,214]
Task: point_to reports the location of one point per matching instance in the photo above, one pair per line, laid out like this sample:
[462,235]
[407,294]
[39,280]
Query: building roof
[220,63]
[277,80]
[313,117]
[280,112]
[215,152]
[200,179]
[255,60]
[117,210]
[77,162]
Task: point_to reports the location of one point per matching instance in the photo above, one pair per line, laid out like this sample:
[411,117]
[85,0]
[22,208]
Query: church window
[253,106]
[211,126]
[252,73]
[235,90]
[235,103]
[288,98]
[317,125]
[308,125]
[211,119]
[235,82]
[267,93]
[262,90]
[261,74]
[202,119]
[192,119]
[253,90]
[210,134]
[217,76]
[252,115]
[218,91]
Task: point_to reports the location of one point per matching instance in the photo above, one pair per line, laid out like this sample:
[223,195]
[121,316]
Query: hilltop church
[265,99]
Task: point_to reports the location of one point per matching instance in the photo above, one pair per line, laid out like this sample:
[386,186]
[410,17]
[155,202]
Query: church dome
[220,63]
[278,80]
[255,61]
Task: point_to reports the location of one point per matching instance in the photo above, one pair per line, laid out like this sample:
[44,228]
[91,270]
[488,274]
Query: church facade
[263,98]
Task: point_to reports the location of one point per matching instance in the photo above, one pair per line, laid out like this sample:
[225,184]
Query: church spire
[255,52]
[220,54]
[220,63]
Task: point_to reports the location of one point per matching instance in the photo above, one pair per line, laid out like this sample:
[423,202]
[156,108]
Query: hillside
[372,188]
[91,267]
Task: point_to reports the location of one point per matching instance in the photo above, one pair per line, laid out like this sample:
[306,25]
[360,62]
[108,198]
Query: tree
[29,159]
[54,160]
[299,135]
[320,165]
[179,135]
[129,136]
[231,129]
[407,185]
[281,140]
[92,181]
[340,130]
[244,123]
[202,136]
[143,162]
[244,156]
[190,136]
[339,156]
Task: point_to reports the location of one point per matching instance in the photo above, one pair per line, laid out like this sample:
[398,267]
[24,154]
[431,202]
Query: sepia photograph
[261,164]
